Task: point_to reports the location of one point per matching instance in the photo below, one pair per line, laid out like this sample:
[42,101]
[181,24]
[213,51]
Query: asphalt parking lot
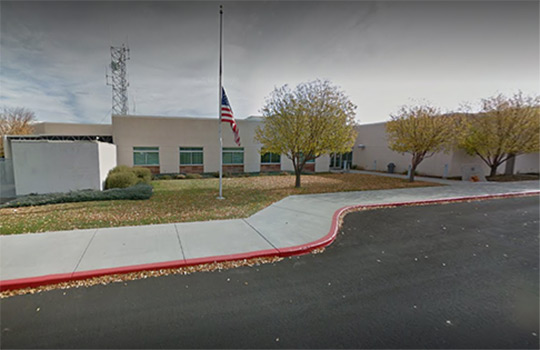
[460,275]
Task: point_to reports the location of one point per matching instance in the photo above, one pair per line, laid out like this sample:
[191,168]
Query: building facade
[60,157]
[169,145]
[172,145]
[371,152]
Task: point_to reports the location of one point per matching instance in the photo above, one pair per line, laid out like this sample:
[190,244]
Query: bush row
[173,176]
[124,176]
[137,192]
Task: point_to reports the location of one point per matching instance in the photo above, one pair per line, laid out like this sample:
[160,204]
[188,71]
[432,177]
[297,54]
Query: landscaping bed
[137,192]
[188,200]
[515,177]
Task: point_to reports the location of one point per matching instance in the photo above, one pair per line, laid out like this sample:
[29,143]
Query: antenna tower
[119,83]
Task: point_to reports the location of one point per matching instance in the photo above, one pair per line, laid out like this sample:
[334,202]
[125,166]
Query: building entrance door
[335,161]
[339,160]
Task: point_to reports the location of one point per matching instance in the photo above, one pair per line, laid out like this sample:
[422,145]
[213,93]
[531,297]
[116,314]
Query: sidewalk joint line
[299,211]
[260,234]
[179,241]
[85,250]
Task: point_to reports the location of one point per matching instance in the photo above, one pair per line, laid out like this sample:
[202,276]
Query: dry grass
[187,200]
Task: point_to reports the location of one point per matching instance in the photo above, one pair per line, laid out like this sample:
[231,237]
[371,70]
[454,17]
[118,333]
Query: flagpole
[219,103]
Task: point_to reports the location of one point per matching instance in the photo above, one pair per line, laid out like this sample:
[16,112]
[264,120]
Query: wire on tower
[118,79]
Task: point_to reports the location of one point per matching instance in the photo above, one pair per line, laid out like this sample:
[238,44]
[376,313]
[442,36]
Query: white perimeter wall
[107,161]
[59,166]
[7,181]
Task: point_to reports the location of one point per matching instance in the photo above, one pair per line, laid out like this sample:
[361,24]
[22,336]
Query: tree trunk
[509,169]
[493,171]
[411,175]
[297,183]
[416,159]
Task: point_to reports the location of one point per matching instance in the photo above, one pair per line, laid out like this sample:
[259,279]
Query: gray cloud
[54,54]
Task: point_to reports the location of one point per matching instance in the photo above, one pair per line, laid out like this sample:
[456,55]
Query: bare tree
[15,121]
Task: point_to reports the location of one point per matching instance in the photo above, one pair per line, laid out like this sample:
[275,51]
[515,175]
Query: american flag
[227,116]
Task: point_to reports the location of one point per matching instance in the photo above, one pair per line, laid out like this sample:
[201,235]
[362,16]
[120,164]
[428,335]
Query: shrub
[121,180]
[194,176]
[224,175]
[137,192]
[180,176]
[120,169]
[115,180]
[166,177]
[144,175]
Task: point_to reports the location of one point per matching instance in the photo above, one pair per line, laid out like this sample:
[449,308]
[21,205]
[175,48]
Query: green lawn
[187,200]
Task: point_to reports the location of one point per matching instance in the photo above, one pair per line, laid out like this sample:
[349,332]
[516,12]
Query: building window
[270,158]
[233,155]
[191,156]
[337,159]
[145,155]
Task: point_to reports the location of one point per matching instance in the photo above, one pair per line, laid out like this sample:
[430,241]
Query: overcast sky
[53,55]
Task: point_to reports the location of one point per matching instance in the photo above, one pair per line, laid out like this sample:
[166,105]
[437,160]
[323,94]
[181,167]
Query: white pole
[219,103]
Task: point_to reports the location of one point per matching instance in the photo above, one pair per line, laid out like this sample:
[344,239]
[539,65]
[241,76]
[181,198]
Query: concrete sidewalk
[293,225]
[416,178]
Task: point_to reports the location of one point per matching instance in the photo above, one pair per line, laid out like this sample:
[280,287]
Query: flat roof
[100,138]
[250,118]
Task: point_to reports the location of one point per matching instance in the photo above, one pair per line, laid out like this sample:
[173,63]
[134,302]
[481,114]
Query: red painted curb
[282,252]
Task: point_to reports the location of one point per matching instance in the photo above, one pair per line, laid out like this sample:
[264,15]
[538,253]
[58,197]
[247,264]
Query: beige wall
[322,164]
[376,155]
[169,134]
[527,163]
[47,128]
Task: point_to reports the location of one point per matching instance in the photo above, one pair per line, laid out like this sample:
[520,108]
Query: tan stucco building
[172,145]
[65,129]
[371,152]
[165,145]
[191,145]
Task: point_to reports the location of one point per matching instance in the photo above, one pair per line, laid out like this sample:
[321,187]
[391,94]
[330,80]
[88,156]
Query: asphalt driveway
[462,275]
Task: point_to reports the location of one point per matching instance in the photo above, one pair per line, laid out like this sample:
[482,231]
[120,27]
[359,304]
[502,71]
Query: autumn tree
[15,121]
[421,131]
[504,128]
[313,119]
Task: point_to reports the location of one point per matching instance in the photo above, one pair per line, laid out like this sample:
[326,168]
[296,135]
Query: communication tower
[118,79]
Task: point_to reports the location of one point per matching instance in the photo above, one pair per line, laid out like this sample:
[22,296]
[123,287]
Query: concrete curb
[306,248]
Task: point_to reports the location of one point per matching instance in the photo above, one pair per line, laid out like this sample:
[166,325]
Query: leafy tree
[504,128]
[313,119]
[15,121]
[421,131]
